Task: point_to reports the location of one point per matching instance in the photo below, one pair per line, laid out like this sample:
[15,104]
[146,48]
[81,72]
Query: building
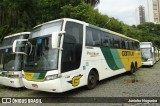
[153,14]
[140,15]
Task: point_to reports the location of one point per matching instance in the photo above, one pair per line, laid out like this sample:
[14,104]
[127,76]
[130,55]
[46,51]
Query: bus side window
[89,38]
[137,46]
[96,38]
[126,44]
[116,41]
[130,45]
[93,37]
[123,46]
[134,45]
[106,39]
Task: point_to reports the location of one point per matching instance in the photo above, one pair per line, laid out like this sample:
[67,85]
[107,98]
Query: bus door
[71,69]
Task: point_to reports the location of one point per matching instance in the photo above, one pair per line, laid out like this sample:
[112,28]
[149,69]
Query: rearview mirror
[56,40]
[152,49]
[18,44]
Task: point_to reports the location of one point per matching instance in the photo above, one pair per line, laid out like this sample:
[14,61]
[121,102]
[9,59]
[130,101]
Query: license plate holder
[34,85]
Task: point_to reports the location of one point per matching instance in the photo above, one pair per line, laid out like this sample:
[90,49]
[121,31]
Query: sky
[123,10]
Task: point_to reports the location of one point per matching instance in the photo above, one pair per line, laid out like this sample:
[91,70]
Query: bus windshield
[146,53]
[8,60]
[11,62]
[10,40]
[40,55]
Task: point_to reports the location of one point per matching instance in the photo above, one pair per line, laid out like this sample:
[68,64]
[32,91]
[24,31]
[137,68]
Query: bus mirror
[18,44]
[152,49]
[56,39]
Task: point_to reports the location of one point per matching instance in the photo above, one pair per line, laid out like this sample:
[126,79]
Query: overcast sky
[123,10]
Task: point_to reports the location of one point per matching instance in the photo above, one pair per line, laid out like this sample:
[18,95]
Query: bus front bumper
[11,82]
[148,63]
[47,86]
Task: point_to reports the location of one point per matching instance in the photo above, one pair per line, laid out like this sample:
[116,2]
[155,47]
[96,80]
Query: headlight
[51,77]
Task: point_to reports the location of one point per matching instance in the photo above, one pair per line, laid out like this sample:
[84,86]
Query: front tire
[92,80]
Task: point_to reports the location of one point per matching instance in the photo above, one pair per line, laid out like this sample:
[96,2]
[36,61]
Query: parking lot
[143,83]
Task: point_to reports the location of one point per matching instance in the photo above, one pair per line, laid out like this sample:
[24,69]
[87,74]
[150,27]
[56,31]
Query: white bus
[148,53]
[11,63]
[156,52]
[65,54]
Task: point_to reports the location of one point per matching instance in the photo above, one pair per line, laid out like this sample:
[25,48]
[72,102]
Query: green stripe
[42,75]
[112,58]
[39,76]
[36,75]
[117,58]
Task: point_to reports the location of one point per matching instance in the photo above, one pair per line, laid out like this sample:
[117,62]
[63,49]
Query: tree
[93,2]
[20,15]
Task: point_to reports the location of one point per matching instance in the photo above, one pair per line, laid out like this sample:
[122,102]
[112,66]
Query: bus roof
[17,34]
[145,42]
[67,19]
[112,32]
[87,24]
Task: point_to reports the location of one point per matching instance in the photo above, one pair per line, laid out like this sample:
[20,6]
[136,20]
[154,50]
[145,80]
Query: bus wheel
[132,69]
[92,80]
[136,67]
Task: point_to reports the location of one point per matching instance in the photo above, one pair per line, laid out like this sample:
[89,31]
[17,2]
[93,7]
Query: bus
[11,63]
[148,53]
[65,54]
[156,52]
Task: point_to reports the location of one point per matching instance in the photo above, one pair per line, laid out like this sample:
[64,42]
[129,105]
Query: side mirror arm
[15,45]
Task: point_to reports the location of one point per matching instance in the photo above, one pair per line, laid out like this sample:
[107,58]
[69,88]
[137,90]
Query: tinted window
[126,44]
[10,40]
[123,46]
[106,39]
[136,46]
[131,45]
[93,37]
[47,29]
[116,41]
[72,47]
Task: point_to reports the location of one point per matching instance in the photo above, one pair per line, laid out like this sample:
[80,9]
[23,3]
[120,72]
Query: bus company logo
[92,54]
[127,53]
[75,80]
[6,100]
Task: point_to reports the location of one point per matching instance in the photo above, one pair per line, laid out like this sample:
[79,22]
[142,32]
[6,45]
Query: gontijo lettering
[127,53]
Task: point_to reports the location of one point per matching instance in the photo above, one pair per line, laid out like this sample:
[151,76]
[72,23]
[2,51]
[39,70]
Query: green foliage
[22,15]
[81,12]
[151,32]
[92,2]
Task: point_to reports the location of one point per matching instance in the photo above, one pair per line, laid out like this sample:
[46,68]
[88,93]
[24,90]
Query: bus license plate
[34,85]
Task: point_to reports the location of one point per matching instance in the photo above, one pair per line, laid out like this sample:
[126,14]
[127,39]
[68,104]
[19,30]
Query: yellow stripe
[127,58]
[28,75]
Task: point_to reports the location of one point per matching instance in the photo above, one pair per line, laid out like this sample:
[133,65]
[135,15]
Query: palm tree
[93,2]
